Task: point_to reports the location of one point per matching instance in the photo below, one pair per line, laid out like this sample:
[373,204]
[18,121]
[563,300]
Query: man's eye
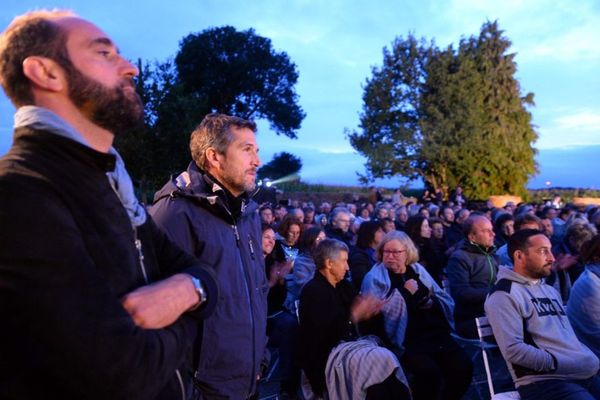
[104,53]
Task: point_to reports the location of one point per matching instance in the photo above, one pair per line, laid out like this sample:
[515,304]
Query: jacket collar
[198,185]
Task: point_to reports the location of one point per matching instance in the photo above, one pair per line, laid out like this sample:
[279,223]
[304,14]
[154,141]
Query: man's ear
[44,73]
[518,255]
[213,158]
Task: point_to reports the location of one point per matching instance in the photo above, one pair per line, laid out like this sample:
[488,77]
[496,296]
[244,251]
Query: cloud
[571,129]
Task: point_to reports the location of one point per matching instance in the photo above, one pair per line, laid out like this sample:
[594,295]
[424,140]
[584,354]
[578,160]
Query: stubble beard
[240,185]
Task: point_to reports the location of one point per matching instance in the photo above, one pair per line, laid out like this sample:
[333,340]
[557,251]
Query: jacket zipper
[247,280]
[138,246]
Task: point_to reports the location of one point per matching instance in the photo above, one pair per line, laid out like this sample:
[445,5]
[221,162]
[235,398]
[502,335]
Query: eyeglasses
[394,253]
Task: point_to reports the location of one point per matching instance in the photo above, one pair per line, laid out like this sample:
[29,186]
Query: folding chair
[486,339]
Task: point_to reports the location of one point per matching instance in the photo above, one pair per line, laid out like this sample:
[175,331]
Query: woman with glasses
[417,321]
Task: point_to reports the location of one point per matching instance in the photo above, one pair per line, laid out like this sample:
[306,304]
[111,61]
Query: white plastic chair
[484,330]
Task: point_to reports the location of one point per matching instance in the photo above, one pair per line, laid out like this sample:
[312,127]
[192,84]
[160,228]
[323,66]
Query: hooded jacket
[194,212]
[534,333]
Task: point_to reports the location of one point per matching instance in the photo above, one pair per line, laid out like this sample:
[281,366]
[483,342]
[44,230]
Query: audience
[418,321]
[282,326]
[330,308]
[584,302]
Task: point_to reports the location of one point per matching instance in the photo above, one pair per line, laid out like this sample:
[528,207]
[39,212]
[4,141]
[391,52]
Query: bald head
[39,33]
[479,230]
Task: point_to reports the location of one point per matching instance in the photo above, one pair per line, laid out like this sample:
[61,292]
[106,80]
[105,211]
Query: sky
[335,43]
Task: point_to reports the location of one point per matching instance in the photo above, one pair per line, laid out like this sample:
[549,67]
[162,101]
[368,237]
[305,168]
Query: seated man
[544,357]
[329,310]
[339,227]
[472,272]
[522,221]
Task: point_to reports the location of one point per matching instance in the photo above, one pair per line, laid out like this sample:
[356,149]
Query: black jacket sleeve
[63,326]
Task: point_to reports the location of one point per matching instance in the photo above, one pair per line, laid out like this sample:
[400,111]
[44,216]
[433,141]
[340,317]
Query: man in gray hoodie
[544,357]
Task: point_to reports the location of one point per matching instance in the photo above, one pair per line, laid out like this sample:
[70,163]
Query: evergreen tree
[472,127]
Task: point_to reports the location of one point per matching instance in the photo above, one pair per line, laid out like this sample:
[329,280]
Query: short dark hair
[502,219]
[524,219]
[264,227]
[31,34]
[215,131]
[328,249]
[265,207]
[520,241]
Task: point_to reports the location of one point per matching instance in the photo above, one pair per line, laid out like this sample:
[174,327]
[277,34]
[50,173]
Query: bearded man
[92,293]
[544,357]
[208,211]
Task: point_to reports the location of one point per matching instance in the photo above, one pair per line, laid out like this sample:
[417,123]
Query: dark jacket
[360,263]
[453,234]
[324,321]
[67,256]
[336,233]
[471,272]
[196,215]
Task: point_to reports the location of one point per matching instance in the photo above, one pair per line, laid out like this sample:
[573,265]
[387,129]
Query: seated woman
[329,310]
[289,231]
[419,231]
[417,321]
[583,307]
[362,256]
[282,326]
[304,265]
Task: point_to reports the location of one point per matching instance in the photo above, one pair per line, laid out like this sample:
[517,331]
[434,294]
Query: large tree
[217,70]
[449,116]
[240,73]
[283,164]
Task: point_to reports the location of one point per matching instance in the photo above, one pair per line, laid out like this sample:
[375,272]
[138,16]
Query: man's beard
[239,184]
[109,108]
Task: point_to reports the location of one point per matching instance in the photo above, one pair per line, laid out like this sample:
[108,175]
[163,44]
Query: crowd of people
[454,255]
[102,297]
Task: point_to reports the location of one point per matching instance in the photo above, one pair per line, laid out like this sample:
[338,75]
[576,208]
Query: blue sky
[335,43]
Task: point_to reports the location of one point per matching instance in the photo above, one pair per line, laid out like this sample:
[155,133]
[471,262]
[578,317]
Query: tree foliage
[449,116]
[239,73]
[282,164]
[217,70]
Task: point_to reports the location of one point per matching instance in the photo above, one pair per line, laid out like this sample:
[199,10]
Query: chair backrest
[487,340]
[484,330]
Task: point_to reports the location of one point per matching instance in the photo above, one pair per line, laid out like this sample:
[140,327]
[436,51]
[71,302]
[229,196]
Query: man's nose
[128,68]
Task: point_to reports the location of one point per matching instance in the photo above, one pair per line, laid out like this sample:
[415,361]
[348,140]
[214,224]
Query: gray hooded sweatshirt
[534,333]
